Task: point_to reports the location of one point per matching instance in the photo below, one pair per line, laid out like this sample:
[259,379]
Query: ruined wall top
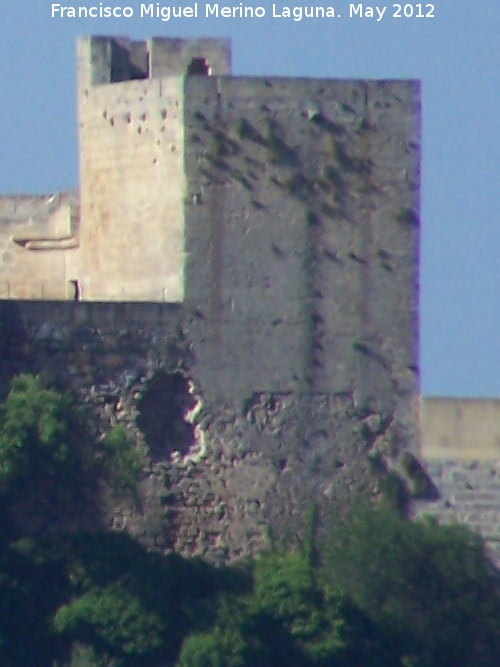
[460,429]
[104,60]
[188,184]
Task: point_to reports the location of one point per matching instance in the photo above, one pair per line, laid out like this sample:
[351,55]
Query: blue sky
[456,54]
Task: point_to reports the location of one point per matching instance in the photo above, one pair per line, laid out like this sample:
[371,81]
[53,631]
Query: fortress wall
[249,467]
[246,462]
[460,444]
[38,245]
[295,348]
[132,185]
[460,429]
[71,317]
[306,216]
[131,113]
[224,473]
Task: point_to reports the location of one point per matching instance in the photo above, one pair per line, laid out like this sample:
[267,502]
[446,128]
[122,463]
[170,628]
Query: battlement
[178,159]
[270,226]
[104,60]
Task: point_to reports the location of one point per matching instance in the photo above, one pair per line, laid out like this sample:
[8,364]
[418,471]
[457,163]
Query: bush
[114,617]
[32,586]
[221,647]
[430,589]
[37,434]
[121,459]
[291,617]
[130,604]
[288,590]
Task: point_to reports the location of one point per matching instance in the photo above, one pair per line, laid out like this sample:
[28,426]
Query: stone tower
[270,226]
[133,185]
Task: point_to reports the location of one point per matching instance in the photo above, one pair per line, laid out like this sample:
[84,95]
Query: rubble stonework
[247,471]
[237,283]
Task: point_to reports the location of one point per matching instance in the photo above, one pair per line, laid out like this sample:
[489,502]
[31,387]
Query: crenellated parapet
[270,228]
[121,238]
[133,182]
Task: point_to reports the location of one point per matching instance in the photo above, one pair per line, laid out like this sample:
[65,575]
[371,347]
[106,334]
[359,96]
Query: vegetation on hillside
[381,591]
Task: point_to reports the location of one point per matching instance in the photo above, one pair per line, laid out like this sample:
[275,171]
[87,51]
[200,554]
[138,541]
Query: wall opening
[162,415]
[129,62]
[199,66]
[74,293]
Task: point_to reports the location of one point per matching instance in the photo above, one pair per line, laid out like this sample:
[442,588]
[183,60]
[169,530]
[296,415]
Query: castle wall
[224,474]
[131,111]
[236,480]
[303,204]
[132,191]
[283,217]
[237,477]
[38,246]
[460,443]
[465,429]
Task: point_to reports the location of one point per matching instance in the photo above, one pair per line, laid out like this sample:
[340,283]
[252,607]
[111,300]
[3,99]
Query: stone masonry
[236,282]
[460,442]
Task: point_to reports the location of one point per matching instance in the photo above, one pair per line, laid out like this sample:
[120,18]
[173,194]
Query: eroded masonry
[236,281]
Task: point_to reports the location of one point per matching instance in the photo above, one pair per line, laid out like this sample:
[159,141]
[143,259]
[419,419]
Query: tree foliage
[291,616]
[45,444]
[121,460]
[431,589]
[36,433]
[114,616]
[383,592]
[225,644]
[289,591]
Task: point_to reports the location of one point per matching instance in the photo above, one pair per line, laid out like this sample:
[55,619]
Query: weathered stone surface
[256,462]
[468,494]
[460,442]
[286,220]
[284,215]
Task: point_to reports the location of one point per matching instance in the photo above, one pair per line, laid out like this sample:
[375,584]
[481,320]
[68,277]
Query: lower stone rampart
[460,443]
[224,476]
[227,476]
[469,493]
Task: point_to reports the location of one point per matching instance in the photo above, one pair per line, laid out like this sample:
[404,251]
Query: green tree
[129,606]
[121,461]
[37,434]
[227,644]
[32,586]
[431,590]
[291,617]
[114,617]
[288,590]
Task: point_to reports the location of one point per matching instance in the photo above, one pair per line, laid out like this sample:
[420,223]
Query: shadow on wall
[162,409]
[13,338]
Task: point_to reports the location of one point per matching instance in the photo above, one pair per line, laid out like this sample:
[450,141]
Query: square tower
[132,177]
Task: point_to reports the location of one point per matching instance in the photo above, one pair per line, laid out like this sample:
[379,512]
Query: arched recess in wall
[199,66]
[162,412]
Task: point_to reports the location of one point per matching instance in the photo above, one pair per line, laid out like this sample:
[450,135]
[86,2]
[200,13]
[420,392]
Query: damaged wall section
[307,217]
[295,350]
